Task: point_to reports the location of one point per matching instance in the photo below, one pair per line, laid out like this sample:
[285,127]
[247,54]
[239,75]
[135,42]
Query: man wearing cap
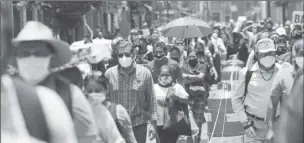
[35,55]
[251,97]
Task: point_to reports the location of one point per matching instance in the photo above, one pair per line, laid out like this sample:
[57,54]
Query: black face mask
[193,62]
[281,50]
[200,52]
[175,59]
[159,57]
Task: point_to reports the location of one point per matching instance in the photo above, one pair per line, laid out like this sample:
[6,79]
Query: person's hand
[162,103]
[270,134]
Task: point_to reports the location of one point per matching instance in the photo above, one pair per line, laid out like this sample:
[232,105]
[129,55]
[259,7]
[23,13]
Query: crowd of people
[150,82]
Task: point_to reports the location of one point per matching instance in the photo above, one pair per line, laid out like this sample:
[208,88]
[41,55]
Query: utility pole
[268,9]
[284,6]
[167,5]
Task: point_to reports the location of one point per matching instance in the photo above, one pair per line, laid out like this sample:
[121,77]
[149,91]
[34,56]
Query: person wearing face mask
[194,80]
[118,130]
[205,57]
[144,55]
[251,97]
[163,89]
[160,59]
[28,114]
[131,85]
[280,91]
[35,56]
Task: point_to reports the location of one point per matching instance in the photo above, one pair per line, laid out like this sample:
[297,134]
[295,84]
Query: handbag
[176,116]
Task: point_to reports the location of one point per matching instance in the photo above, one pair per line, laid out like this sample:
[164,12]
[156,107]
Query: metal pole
[284,12]
[268,9]
[167,11]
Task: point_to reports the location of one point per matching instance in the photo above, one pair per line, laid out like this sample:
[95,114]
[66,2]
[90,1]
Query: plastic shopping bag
[151,134]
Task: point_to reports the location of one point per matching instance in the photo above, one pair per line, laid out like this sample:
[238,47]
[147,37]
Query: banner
[297,17]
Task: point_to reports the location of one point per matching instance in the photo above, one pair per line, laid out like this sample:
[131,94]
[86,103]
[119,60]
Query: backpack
[247,80]
[31,109]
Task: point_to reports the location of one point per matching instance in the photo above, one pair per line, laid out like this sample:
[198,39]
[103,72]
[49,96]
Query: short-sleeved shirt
[161,94]
[154,67]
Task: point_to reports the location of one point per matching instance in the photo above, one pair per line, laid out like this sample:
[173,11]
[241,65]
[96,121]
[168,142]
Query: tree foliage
[61,13]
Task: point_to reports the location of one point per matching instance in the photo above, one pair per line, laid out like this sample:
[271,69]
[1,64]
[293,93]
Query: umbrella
[186,28]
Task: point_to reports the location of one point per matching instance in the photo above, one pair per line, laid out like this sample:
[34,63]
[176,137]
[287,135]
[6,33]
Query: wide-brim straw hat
[36,31]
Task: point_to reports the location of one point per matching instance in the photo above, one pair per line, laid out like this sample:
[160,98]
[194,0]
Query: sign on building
[298,17]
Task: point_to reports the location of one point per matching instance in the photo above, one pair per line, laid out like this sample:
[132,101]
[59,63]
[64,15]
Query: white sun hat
[265,45]
[36,31]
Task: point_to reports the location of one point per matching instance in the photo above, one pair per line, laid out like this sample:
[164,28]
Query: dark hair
[190,51]
[124,44]
[177,49]
[168,67]
[102,80]
[144,40]
[73,75]
[161,44]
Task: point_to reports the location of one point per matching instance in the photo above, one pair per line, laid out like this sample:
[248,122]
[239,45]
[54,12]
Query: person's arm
[238,96]
[59,121]
[189,78]
[181,94]
[106,125]
[151,98]
[125,124]
[83,116]
[179,75]
[276,95]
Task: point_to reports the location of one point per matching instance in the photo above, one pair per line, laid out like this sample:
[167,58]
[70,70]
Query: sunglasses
[25,54]
[125,54]
[271,53]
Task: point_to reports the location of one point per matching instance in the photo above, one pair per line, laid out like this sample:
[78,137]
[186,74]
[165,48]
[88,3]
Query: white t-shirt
[161,93]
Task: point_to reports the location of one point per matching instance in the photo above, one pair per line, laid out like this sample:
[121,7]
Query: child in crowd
[96,88]
[165,88]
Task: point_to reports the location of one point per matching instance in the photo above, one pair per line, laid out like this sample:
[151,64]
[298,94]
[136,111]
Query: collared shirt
[258,93]
[134,92]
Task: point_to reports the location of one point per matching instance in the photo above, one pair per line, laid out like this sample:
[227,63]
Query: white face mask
[97,97]
[33,69]
[267,61]
[299,61]
[125,61]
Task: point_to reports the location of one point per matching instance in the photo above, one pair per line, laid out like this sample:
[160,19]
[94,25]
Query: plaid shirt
[134,92]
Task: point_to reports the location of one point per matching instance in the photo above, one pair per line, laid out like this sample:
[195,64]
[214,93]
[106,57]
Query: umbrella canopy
[186,28]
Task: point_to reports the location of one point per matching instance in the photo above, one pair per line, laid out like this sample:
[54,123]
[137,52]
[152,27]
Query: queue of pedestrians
[149,83]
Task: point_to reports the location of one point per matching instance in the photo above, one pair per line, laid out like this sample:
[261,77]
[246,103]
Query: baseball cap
[265,45]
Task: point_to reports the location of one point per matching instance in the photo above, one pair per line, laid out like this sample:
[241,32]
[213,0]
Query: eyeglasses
[42,53]
[124,54]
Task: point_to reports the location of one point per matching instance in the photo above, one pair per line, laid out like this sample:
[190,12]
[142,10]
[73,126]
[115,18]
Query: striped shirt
[134,92]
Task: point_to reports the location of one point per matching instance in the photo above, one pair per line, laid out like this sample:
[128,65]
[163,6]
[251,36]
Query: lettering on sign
[298,17]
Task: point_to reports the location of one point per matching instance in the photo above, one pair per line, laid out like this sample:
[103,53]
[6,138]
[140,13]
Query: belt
[255,117]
